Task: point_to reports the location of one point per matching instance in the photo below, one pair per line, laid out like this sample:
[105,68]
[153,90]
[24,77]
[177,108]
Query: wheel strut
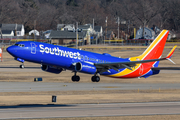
[75,78]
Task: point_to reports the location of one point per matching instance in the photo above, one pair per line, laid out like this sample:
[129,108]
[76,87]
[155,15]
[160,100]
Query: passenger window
[86,58]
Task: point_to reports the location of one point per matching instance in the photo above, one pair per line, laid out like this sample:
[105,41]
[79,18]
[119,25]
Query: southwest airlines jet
[55,59]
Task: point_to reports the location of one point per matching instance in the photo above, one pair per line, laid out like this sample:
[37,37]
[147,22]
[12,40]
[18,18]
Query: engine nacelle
[85,67]
[51,69]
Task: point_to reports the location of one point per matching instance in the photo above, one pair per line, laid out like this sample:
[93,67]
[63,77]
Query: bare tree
[144,10]
[7,11]
[48,13]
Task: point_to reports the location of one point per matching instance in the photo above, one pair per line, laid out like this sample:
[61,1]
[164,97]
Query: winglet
[170,54]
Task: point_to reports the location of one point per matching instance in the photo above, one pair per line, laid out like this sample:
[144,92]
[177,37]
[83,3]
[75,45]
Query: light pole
[1,33]
[76,35]
[106,27]
[118,30]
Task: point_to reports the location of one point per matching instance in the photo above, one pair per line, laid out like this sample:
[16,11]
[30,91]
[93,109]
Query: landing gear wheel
[95,78]
[21,66]
[75,78]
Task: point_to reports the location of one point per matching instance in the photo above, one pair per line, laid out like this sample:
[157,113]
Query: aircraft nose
[8,49]
[11,50]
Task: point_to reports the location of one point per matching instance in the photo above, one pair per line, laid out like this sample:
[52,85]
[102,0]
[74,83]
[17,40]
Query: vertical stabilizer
[155,50]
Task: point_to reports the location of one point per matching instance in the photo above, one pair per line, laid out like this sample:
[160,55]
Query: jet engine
[85,67]
[51,69]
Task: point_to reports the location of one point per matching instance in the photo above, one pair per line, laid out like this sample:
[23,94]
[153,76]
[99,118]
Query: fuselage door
[141,69]
[33,48]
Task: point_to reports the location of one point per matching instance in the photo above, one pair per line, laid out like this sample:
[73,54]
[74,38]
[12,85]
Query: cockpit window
[20,45]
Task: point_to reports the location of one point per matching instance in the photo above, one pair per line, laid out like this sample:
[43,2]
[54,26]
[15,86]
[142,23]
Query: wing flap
[128,63]
[119,65]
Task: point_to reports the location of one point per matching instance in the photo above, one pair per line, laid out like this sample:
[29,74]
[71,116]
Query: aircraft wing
[102,67]
[119,65]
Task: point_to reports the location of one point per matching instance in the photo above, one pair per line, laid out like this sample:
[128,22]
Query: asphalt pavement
[55,86]
[89,110]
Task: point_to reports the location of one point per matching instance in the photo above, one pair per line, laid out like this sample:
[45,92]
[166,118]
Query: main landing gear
[94,78]
[75,78]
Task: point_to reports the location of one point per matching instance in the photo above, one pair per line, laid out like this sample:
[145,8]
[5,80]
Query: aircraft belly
[55,60]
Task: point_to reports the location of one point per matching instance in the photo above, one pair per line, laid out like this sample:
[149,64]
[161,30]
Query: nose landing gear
[21,66]
[20,60]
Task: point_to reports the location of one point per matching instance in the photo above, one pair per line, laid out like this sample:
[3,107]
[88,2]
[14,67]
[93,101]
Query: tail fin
[155,50]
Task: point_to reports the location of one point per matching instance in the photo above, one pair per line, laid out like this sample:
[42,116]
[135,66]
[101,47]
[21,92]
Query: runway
[89,110]
[44,109]
[55,86]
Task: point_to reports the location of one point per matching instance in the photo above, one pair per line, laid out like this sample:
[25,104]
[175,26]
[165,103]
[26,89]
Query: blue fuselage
[63,57]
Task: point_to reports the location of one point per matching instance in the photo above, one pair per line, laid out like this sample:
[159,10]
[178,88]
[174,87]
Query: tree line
[46,14]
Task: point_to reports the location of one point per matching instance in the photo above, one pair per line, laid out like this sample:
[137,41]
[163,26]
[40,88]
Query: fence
[129,42]
[10,41]
[121,42]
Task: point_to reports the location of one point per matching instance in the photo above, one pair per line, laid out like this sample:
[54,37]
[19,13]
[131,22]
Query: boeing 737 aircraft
[55,59]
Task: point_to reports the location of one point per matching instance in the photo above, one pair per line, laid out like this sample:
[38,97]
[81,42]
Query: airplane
[55,59]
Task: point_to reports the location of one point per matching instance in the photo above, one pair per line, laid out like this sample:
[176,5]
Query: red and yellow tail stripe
[171,52]
[154,51]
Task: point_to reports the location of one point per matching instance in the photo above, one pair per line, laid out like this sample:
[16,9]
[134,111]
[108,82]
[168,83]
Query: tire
[95,78]
[75,78]
[21,66]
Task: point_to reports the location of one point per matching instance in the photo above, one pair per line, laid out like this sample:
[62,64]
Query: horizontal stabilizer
[166,68]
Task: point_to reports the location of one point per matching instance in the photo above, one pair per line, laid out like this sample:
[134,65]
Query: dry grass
[78,97]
